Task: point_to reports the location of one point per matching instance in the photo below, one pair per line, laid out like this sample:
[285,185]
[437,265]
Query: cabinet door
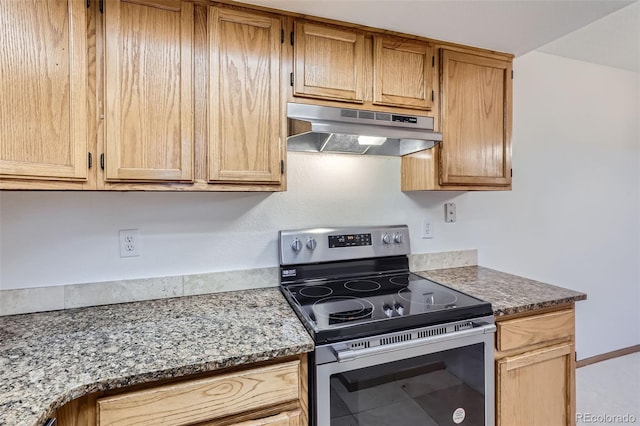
[402,72]
[329,63]
[149,90]
[537,388]
[476,120]
[43,84]
[244,98]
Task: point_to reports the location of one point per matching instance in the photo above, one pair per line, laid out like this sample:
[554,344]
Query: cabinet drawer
[203,399]
[291,418]
[521,332]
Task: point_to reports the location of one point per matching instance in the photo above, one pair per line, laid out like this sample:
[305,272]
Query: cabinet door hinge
[511,172]
[101,5]
[90,160]
[291,37]
[433,61]
[432,96]
[281,36]
[511,74]
[102,161]
[291,78]
[281,167]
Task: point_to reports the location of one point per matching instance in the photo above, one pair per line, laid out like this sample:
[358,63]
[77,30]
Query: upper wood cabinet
[328,62]
[474,105]
[244,97]
[191,96]
[149,117]
[43,83]
[475,119]
[402,71]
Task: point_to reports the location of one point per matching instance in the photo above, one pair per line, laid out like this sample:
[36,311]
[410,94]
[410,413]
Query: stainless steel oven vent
[409,336]
[464,326]
[395,339]
[432,332]
[360,345]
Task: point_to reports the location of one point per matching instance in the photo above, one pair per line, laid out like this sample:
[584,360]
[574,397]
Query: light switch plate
[449,212]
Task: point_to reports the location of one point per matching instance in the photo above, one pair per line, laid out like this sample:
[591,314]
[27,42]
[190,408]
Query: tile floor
[608,391]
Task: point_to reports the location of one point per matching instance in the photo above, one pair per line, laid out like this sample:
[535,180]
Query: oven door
[439,380]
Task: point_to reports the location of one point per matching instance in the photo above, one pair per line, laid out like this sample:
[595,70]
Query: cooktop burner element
[362,285]
[336,310]
[356,282]
[315,291]
[433,297]
[401,280]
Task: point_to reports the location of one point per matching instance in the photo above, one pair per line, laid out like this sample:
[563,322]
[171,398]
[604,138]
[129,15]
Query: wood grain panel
[291,418]
[536,388]
[149,91]
[420,172]
[204,399]
[522,332]
[43,84]
[79,412]
[244,98]
[476,123]
[402,73]
[329,62]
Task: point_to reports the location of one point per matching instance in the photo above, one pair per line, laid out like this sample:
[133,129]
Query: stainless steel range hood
[314,128]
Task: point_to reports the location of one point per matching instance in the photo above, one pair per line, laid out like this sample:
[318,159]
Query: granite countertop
[48,359]
[508,294]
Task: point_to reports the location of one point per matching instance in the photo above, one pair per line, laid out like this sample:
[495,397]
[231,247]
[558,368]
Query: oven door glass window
[444,388]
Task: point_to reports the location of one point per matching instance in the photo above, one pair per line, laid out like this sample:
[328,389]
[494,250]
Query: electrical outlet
[449,212]
[427,229]
[129,242]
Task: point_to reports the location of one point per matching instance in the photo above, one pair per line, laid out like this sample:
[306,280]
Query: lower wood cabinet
[272,394]
[535,370]
[290,418]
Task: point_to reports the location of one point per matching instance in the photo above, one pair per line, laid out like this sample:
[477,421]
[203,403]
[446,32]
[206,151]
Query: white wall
[53,238]
[572,218]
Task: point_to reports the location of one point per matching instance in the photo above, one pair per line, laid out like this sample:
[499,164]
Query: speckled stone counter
[48,359]
[508,294]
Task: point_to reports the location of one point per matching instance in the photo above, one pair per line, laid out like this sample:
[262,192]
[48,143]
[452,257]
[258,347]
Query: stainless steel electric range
[392,348]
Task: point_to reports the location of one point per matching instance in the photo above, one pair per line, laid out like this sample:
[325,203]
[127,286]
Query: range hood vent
[314,128]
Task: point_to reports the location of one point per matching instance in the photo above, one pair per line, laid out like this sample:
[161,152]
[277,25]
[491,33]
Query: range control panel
[351,240]
[345,243]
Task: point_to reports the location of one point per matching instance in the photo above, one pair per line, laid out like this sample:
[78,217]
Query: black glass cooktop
[349,308]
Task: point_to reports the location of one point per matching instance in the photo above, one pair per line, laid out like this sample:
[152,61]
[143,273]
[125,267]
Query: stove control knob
[312,243]
[398,238]
[387,310]
[386,238]
[399,309]
[296,245]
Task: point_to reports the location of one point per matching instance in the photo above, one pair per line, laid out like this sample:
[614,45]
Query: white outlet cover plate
[427,228]
[129,243]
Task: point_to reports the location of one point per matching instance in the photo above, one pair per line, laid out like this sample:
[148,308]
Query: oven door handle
[351,354]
